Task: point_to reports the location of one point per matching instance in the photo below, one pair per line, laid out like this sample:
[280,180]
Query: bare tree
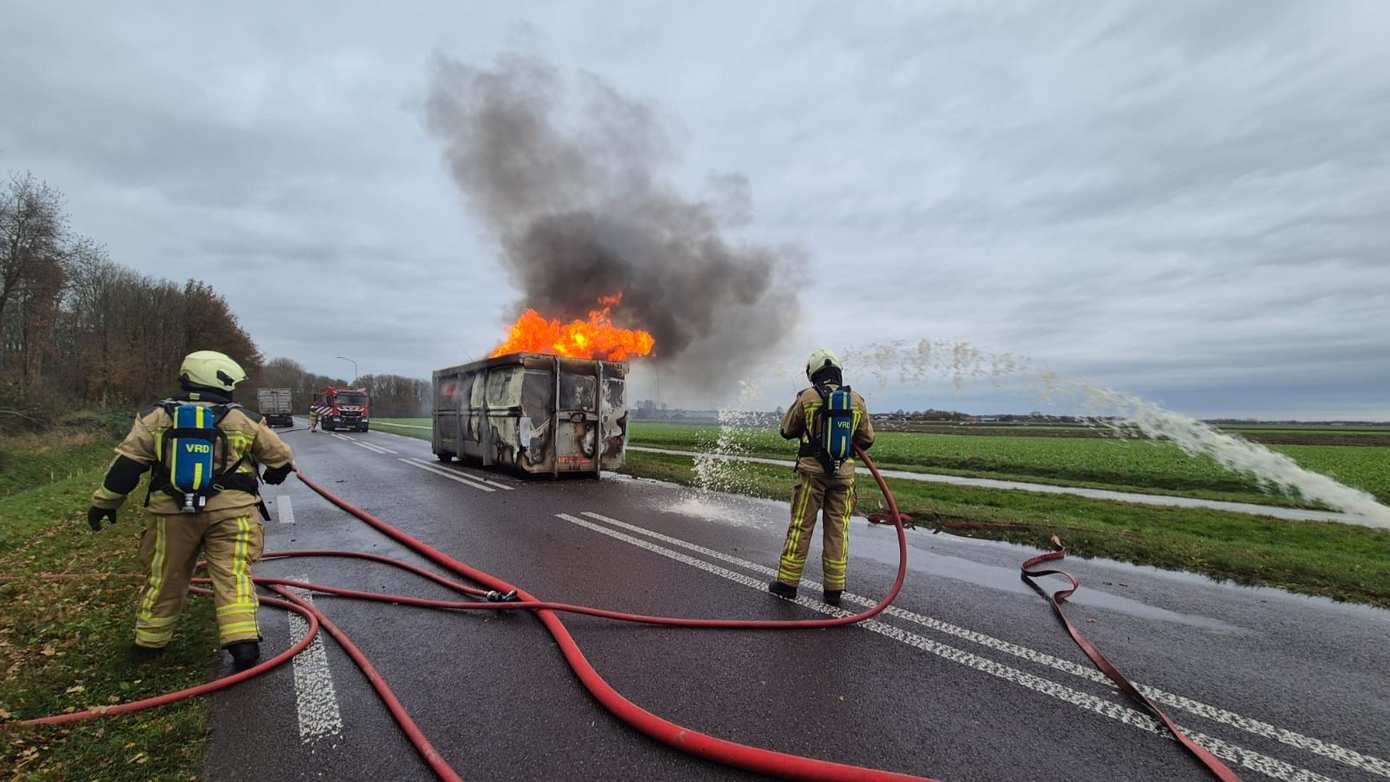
[33,227]
[34,243]
[76,326]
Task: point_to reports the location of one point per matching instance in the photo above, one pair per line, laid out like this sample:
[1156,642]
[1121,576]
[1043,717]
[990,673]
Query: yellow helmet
[211,369]
[820,360]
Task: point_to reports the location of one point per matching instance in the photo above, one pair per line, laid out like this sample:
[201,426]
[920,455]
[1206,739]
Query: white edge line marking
[1316,746]
[284,510]
[471,476]
[450,476]
[1255,761]
[315,699]
[376,445]
[409,438]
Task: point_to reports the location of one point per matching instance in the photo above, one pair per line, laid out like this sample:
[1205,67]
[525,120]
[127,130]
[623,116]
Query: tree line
[392,396]
[79,330]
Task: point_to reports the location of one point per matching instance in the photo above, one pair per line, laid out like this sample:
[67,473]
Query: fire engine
[344,408]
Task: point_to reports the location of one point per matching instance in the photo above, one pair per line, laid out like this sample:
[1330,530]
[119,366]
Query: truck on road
[345,408]
[274,404]
[534,413]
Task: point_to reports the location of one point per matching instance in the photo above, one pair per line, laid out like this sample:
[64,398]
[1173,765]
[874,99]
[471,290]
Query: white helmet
[211,369]
[820,360]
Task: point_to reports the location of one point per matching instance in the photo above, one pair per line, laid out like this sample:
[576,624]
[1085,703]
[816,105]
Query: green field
[1335,560]
[1269,434]
[1136,465]
[416,427]
[1131,465]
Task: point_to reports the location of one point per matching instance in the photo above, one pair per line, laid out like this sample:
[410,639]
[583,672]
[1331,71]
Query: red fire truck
[343,408]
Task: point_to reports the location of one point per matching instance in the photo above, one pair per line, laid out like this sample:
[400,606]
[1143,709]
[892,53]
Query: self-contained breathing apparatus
[830,437]
[188,452]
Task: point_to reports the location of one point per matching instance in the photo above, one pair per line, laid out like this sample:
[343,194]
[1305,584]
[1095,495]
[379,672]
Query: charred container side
[534,413]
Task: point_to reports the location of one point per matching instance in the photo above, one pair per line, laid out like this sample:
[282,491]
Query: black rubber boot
[832,597]
[143,654]
[782,590]
[244,654]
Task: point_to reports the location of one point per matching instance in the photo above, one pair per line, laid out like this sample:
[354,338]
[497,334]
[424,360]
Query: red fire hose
[1203,756]
[755,759]
[202,689]
[731,753]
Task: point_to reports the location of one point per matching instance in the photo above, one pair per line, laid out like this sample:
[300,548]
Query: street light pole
[355,374]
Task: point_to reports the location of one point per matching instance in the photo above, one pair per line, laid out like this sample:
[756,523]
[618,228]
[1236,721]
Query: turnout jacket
[800,419]
[247,435]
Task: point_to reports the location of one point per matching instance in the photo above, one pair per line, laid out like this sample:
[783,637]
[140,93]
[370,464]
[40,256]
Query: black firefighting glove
[277,475]
[95,515]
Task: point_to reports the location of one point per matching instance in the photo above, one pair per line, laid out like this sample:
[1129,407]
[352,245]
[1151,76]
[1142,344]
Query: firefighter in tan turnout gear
[203,452]
[828,419]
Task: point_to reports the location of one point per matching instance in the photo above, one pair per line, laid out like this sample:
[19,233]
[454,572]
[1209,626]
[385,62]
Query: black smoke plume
[565,172]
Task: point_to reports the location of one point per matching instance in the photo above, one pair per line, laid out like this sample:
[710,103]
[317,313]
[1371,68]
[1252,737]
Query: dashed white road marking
[284,509]
[1250,759]
[448,474]
[315,699]
[369,447]
[342,437]
[415,441]
[464,473]
[1350,757]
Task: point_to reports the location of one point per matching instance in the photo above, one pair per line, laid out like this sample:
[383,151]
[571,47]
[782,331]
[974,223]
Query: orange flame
[595,337]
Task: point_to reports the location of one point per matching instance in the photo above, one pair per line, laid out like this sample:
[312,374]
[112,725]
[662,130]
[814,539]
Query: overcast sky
[1189,201]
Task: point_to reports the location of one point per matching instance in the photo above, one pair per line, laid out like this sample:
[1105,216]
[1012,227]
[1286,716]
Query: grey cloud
[1185,200]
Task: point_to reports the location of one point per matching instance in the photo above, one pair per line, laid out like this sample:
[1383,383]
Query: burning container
[533,412]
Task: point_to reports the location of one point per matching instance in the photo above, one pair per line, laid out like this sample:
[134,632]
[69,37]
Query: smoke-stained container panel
[613,421]
[448,398]
[535,413]
[534,432]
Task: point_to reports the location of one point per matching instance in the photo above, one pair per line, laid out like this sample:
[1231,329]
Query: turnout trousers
[816,492]
[230,541]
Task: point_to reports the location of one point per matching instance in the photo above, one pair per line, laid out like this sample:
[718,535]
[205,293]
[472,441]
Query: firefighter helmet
[210,369]
[822,359]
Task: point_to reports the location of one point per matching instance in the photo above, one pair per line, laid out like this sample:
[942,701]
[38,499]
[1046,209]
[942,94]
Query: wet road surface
[967,677]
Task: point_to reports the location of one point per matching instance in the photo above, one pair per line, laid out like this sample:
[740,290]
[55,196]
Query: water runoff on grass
[1113,412]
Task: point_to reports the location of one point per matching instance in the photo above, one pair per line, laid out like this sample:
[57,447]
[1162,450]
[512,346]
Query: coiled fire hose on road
[756,759]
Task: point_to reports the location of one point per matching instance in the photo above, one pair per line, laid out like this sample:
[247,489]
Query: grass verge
[1253,498]
[66,612]
[1339,561]
[1141,466]
[412,427]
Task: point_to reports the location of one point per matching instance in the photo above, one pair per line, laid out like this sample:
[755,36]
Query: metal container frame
[492,422]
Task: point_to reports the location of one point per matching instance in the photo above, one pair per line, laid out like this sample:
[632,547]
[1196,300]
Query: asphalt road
[968,677]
